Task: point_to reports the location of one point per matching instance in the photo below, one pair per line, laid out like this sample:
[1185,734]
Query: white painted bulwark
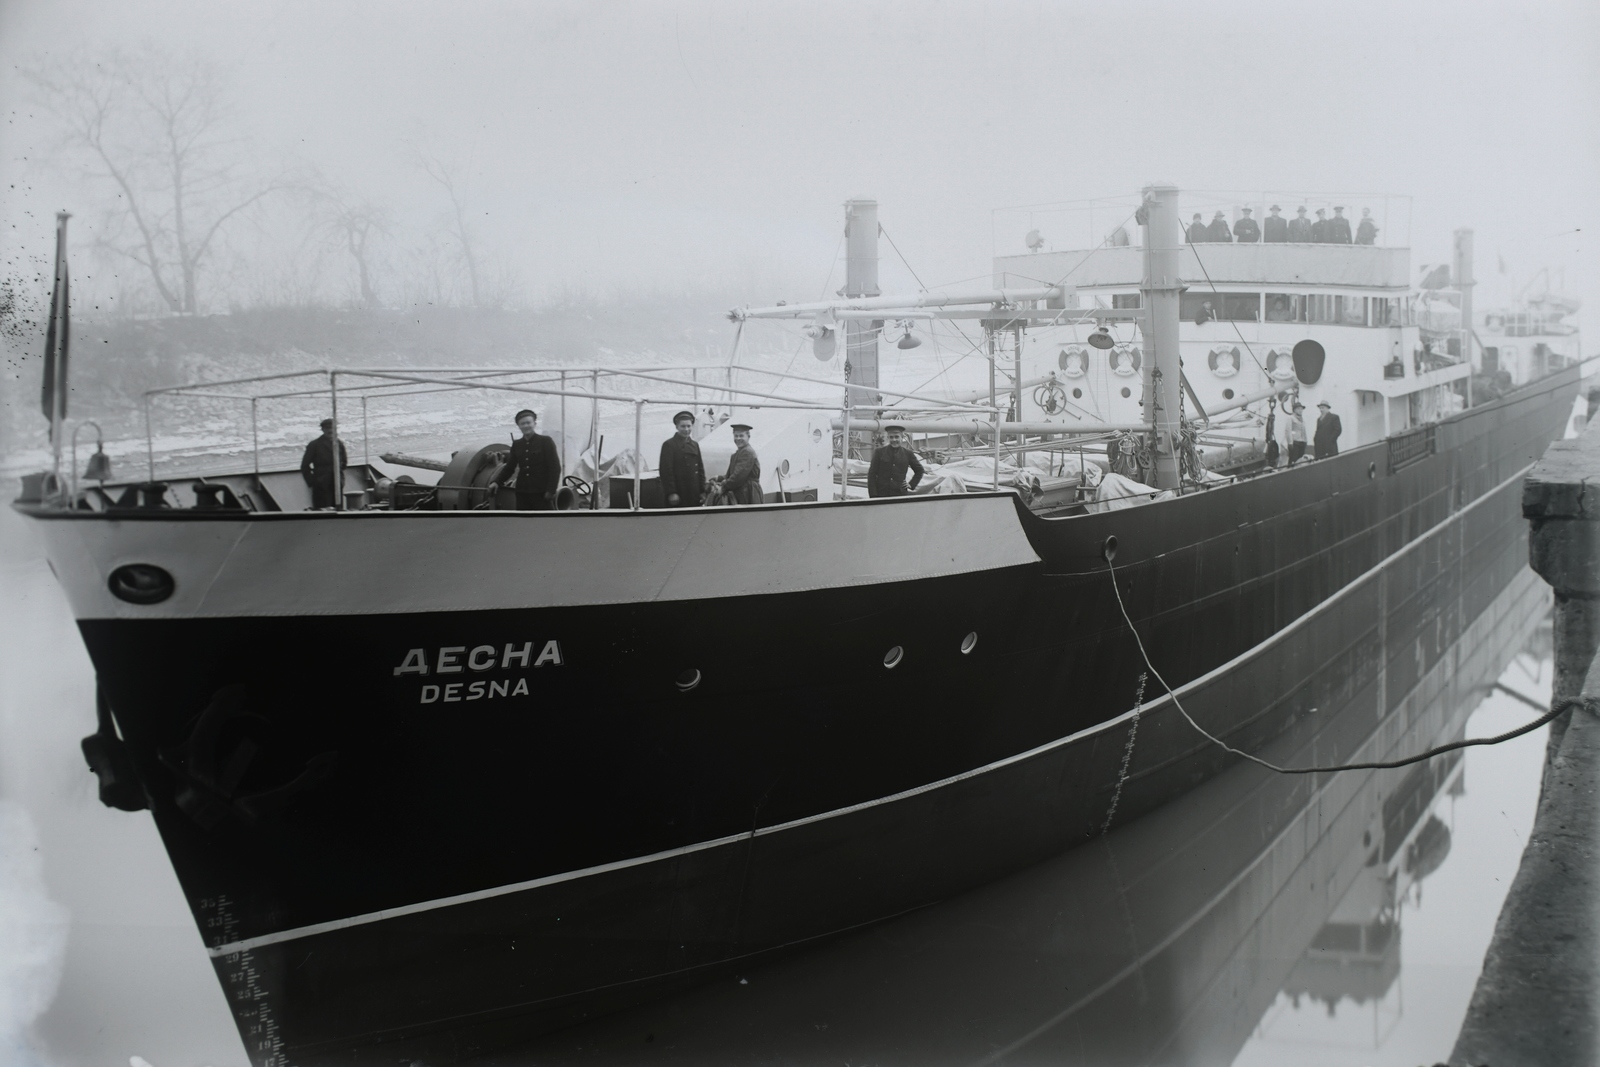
[376,563]
[1359,266]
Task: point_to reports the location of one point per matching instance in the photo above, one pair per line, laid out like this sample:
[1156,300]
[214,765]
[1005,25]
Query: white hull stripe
[246,944]
[346,564]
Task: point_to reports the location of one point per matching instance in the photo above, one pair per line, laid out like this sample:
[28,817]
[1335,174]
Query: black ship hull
[580,803]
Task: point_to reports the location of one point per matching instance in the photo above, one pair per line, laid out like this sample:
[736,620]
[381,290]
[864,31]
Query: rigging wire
[1378,765]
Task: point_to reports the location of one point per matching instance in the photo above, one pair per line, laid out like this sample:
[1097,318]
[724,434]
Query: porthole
[688,680]
[1227,394]
[1126,392]
[892,658]
[969,642]
[141,583]
[1077,394]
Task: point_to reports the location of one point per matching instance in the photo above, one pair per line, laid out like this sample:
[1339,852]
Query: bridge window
[1125,300]
[1235,307]
[1286,307]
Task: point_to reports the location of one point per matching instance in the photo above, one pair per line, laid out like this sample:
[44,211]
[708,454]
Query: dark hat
[894,427]
[1322,211]
[1339,208]
[532,414]
[327,424]
[1299,406]
[1301,209]
[1275,207]
[1324,404]
[1218,215]
[745,426]
[680,416]
[1245,210]
[1197,214]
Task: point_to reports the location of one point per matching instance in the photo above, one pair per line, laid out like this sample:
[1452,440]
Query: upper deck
[1284,266]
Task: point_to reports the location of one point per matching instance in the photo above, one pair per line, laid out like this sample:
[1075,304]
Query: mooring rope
[1127,754]
[1559,707]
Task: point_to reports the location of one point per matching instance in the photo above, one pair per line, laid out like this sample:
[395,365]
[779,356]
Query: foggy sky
[641,144]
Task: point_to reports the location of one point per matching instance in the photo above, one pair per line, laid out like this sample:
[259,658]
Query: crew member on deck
[536,465]
[1198,234]
[1339,228]
[316,467]
[1367,230]
[887,475]
[1275,228]
[1325,442]
[1218,230]
[1297,434]
[1245,231]
[1300,227]
[742,483]
[1319,229]
[683,472]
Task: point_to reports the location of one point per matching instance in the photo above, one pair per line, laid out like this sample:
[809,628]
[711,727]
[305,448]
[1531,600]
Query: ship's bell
[99,468]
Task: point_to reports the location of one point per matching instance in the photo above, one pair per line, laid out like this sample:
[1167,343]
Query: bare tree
[157,128]
[440,172]
[356,224]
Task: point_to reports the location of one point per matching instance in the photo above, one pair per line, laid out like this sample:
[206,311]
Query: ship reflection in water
[1258,919]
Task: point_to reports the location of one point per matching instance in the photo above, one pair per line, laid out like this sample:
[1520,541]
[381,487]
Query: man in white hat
[1297,434]
[1325,442]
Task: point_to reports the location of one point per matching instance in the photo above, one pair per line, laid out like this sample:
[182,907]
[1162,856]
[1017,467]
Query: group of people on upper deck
[1275,229]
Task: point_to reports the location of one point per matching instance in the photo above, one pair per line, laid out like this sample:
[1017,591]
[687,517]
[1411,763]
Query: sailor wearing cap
[1297,434]
[1338,228]
[1198,234]
[1218,230]
[1319,229]
[742,483]
[1274,228]
[316,467]
[1245,231]
[1325,443]
[683,472]
[1300,227]
[887,474]
[534,463]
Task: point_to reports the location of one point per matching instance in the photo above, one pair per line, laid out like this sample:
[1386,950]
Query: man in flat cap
[1275,228]
[1367,230]
[534,463]
[683,472]
[1325,441]
[316,467]
[1300,227]
[1319,229]
[1198,234]
[742,483]
[887,474]
[1218,230]
[1339,228]
[1245,231]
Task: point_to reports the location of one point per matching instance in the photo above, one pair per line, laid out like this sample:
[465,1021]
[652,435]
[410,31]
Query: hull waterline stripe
[311,930]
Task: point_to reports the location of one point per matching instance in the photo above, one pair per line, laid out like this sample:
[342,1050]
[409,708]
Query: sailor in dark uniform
[887,475]
[1275,228]
[1198,234]
[742,483]
[1319,229]
[683,472]
[1338,228]
[316,467]
[1245,231]
[535,463]
[1218,230]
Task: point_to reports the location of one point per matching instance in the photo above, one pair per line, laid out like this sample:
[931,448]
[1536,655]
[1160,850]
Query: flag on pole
[53,397]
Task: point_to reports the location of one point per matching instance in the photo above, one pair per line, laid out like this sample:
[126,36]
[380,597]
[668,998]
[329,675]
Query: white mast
[1163,376]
